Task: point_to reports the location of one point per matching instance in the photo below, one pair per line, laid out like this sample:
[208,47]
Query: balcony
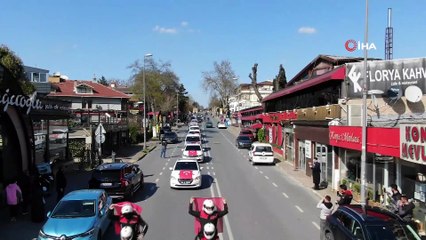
[319,113]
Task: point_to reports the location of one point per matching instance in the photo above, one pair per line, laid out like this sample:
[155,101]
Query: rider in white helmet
[126,233]
[129,218]
[209,232]
[209,214]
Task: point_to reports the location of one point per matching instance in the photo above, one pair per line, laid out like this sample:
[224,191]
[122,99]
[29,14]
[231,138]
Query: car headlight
[42,234]
[88,233]
[173,178]
[197,178]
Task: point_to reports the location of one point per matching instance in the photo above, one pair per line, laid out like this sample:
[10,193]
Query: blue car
[81,214]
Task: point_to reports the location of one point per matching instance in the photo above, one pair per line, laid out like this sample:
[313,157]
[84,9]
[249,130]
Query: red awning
[252,109]
[248,118]
[336,74]
[256,126]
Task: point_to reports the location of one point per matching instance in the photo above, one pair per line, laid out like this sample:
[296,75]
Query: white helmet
[209,231]
[126,209]
[126,233]
[208,206]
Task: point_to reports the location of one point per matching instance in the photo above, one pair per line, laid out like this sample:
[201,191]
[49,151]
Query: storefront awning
[256,126]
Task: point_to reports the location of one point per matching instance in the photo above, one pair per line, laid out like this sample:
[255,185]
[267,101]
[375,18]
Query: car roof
[112,166]
[261,144]
[192,135]
[187,160]
[83,194]
[369,214]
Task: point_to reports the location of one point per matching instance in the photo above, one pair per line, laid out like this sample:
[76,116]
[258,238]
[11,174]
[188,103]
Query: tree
[221,82]
[103,81]
[254,82]
[280,81]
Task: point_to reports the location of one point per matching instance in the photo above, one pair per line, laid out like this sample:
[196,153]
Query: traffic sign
[100,129]
[100,138]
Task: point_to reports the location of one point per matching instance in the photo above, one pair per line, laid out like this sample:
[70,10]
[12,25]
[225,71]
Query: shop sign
[308,148]
[21,101]
[387,76]
[413,143]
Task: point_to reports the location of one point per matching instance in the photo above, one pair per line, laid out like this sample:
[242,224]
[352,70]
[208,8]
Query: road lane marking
[164,168]
[214,173]
[316,225]
[212,168]
[285,195]
[266,177]
[256,168]
[161,173]
[208,173]
[298,208]
[208,167]
[261,172]
[275,185]
[225,218]
[156,180]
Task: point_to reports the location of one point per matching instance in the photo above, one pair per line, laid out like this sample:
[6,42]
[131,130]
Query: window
[84,89]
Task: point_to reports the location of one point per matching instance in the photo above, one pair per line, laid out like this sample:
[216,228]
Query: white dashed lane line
[298,208]
[161,173]
[164,168]
[256,168]
[156,180]
[214,173]
[275,185]
[261,172]
[285,195]
[266,177]
[316,225]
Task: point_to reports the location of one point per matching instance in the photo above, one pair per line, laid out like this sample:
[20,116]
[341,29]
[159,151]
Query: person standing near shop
[316,173]
[13,199]
[326,208]
[61,183]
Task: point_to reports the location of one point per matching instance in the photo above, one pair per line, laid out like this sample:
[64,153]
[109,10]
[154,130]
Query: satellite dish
[394,93]
[413,94]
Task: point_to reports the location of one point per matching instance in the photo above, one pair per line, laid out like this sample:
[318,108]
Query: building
[91,104]
[246,97]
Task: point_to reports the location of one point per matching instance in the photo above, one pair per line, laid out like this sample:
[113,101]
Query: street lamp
[364,111]
[144,100]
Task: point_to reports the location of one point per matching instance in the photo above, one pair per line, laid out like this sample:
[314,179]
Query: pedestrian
[316,173]
[163,148]
[61,183]
[38,203]
[405,208]
[13,199]
[326,209]
[345,195]
[24,183]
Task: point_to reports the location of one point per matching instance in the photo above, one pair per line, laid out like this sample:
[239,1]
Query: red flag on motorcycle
[117,212]
[198,205]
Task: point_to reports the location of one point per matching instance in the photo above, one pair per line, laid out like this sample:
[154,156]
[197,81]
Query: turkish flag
[192,153]
[198,205]
[185,174]
[117,212]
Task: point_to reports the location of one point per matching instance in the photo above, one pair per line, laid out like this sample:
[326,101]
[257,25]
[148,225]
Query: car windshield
[74,209]
[263,149]
[392,231]
[110,174]
[193,148]
[245,138]
[186,166]
[193,139]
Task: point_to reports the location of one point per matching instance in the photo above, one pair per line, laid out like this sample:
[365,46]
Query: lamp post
[364,111]
[144,100]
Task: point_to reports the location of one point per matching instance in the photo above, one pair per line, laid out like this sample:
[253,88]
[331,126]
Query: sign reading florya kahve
[413,143]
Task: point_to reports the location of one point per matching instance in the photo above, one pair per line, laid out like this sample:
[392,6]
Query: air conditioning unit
[354,115]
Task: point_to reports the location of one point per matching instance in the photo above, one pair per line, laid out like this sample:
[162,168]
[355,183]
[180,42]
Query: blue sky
[81,38]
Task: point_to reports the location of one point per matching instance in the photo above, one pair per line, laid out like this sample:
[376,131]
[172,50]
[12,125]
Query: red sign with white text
[384,141]
[413,143]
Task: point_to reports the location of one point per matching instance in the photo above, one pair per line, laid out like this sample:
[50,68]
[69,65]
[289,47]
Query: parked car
[171,137]
[186,173]
[261,153]
[119,180]
[247,132]
[209,124]
[243,141]
[367,223]
[193,151]
[81,214]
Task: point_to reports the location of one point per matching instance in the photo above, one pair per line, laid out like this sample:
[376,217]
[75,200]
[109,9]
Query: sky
[84,39]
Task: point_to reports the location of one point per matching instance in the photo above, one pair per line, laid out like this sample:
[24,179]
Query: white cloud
[184,23]
[165,30]
[307,30]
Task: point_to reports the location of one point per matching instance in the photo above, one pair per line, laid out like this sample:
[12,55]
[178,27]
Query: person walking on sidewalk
[13,199]
[61,183]
[163,148]
[316,173]
[326,209]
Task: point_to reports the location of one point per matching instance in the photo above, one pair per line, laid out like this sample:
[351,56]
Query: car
[243,141]
[193,139]
[194,131]
[366,222]
[119,180]
[209,124]
[194,127]
[171,137]
[247,132]
[221,125]
[261,153]
[193,151]
[186,173]
[81,214]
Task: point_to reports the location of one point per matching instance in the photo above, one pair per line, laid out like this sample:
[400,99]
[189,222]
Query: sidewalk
[297,175]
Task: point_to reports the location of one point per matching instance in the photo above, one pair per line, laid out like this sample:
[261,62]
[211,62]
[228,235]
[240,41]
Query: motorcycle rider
[126,233]
[209,214]
[209,232]
[129,217]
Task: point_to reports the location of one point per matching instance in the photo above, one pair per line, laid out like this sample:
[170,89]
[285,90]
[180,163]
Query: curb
[149,148]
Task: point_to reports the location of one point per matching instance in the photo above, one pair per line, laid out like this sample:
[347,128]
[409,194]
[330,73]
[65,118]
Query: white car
[193,139]
[261,153]
[194,127]
[221,125]
[186,173]
[193,151]
[194,131]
